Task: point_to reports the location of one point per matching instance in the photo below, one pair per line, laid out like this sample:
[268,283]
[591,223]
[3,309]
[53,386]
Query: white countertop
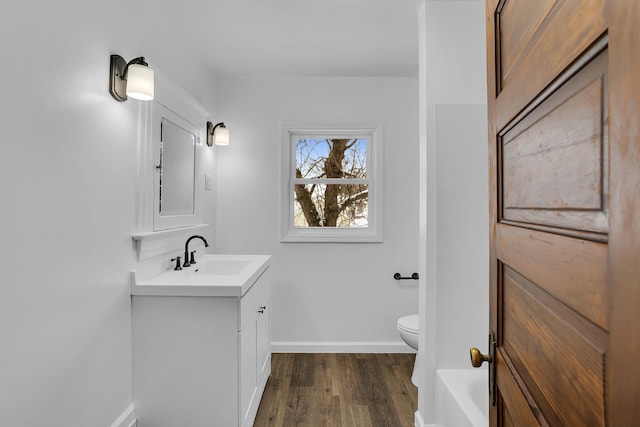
[213,275]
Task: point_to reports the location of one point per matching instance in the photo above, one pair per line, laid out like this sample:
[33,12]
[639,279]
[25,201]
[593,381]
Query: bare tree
[331,205]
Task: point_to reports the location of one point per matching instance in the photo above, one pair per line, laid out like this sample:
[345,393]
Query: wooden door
[563,94]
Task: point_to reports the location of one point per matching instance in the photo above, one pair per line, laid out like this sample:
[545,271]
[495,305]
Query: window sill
[325,235]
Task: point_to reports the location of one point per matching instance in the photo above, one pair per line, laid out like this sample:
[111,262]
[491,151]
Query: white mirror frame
[153,238]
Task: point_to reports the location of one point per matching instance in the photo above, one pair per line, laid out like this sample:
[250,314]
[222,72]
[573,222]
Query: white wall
[453,205]
[67,163]
[462,233]
[322,293]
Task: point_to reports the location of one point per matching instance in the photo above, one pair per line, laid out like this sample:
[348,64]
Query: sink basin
[220,266]
[212,275]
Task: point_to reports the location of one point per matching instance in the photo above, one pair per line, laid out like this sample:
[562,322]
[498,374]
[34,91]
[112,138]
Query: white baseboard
[419,423]
[340,347]
[127,419]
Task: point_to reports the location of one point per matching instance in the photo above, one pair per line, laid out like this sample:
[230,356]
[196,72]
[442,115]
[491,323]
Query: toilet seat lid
[409,323]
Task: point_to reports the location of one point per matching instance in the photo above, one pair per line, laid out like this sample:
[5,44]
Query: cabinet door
[255,347]
[248,371]
[264,340]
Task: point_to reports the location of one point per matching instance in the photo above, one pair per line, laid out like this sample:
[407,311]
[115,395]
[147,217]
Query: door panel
[531,177]
[558,353]
[519,23]
[564,101]
[554,158]
[572,270]
[545,36]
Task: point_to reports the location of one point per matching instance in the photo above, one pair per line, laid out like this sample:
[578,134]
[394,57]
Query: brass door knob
[477,358]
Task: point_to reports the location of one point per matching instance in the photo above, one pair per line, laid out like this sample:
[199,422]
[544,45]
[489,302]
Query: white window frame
[371,233]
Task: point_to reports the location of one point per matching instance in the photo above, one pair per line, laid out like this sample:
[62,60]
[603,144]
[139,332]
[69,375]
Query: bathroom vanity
[202,343]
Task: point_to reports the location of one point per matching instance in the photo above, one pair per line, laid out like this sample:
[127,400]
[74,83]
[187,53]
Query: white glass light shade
[140,82]
[221,136]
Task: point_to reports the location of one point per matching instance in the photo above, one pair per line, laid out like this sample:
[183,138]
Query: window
[332,184]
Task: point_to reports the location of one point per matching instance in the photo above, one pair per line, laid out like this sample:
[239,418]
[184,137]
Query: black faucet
[186,250]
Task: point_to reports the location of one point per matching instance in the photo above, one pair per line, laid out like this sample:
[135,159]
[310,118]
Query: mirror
[176,146]
[177,170]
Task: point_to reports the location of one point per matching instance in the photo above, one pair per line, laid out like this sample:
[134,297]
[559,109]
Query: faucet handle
[193,258]
[177,260]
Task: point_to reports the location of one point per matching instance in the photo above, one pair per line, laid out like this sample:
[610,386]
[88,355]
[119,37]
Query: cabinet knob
[262,309]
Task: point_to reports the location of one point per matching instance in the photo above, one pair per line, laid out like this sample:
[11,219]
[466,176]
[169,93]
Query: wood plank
[381,408]
[303,370]
[402,392]
[326,405]
[624,109]
[349,384]
[359,416]
[271,410]
[297,406]
[572,270]
[323,414]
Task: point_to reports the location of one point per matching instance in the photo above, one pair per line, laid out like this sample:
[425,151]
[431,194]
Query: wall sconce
[134,79]
[218,134]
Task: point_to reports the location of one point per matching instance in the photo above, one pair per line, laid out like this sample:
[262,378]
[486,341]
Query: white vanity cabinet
[201,360]
[255,352]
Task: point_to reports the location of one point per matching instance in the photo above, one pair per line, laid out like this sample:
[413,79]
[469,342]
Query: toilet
[408,329]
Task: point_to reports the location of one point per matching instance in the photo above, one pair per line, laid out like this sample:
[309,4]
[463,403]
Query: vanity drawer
[251,302]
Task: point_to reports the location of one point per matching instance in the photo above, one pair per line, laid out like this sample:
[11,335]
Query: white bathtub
[462,398]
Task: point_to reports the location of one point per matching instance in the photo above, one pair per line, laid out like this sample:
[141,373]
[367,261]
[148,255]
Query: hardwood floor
[339,390]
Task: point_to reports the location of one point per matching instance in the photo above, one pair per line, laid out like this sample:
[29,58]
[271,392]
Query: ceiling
[301,37]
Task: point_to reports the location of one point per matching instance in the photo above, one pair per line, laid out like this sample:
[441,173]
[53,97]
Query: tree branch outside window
[340,198]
